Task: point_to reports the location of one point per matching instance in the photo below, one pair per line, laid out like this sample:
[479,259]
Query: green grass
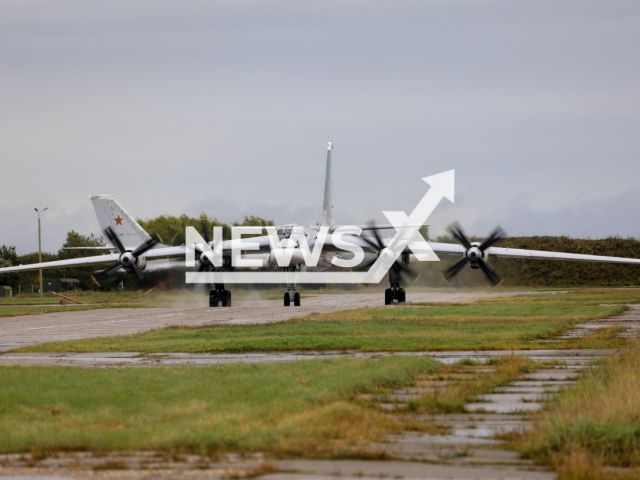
[578,297]
[594,426]
[424,328]
[304,408]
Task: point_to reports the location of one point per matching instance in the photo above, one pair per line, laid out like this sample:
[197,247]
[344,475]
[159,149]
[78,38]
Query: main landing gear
[219,296]
[394,295]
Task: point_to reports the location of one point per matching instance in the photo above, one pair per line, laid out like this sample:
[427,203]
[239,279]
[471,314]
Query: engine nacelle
[142,263]
[206,258]
[127,260]
[474,254]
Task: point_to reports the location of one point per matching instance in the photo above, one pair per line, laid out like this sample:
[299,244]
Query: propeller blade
[114,239]
[456,268]
[205,237]
[139,276]
[410,270]
[404,270]
[376,234]
[375,242]
[497,234]
[367,264]
[148,245]
[368,240]
[107,272]
[489,272]
[459,235]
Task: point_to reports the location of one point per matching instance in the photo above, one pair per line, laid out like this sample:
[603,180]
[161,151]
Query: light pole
[40,247]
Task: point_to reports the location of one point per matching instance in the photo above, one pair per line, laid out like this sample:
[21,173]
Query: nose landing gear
[291,295]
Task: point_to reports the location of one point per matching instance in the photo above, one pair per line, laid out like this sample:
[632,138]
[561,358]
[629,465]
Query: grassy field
[467,382]
[316,408]
[506,323]
[306,408]
[594,425]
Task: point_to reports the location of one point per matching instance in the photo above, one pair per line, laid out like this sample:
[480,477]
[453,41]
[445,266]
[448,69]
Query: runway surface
[68,324]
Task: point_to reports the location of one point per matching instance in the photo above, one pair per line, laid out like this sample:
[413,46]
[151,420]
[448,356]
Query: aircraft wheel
[402,296]
[226,298]
[387,297]
[287,300]
[296,299]
[213,299]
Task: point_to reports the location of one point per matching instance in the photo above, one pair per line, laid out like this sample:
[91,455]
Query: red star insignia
[119,220]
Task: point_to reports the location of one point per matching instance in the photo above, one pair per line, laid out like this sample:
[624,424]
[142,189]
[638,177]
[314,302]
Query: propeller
[204,258]
[128,259]
[475,253]
[400,268]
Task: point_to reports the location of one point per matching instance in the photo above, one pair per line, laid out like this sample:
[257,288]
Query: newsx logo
[296,244]
[296,248]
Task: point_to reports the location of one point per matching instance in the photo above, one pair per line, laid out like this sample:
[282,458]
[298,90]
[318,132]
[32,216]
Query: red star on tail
[119,220]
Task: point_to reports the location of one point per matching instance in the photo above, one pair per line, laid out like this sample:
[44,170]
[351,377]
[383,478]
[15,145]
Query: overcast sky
[226,108]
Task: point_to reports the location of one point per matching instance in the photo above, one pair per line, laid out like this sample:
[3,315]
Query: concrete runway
[68,324]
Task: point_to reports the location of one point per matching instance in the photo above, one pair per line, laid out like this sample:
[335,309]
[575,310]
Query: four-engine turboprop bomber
[295,254]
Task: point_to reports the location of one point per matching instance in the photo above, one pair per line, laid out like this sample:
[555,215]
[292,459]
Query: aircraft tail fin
[327,206]
[111,214]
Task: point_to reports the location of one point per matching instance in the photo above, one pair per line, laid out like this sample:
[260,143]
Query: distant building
[5,292]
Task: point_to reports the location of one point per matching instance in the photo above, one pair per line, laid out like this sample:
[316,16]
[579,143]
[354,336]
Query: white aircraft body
[132,247]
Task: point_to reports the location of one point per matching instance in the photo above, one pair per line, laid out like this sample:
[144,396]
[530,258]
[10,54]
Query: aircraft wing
[458,250]
[71,262]
[153,254]
[543,255]
[452,249]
